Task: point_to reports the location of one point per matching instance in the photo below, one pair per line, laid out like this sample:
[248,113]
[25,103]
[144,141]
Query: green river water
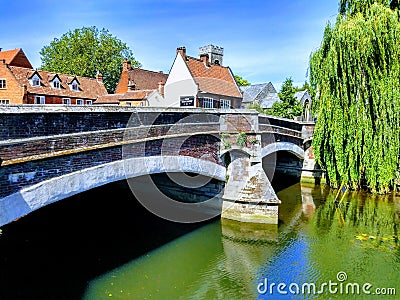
[319,250]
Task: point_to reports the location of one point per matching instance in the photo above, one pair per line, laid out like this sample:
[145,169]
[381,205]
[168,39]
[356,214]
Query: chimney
[126,65]
[205,59]
[99,77]
[182,51]
[161,88]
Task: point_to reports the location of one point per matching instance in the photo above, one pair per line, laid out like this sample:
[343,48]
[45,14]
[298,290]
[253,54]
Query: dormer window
[74,85]
[56,83]
[35,80]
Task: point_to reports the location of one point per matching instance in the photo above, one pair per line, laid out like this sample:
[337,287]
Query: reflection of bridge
[49,153]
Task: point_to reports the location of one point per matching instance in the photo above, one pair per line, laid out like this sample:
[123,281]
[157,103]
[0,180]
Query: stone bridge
[49,153]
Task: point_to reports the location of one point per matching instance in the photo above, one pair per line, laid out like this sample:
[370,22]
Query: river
[320,249]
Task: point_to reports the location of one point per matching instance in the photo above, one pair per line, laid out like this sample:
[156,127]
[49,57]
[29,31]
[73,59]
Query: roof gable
[264,94]
[33,73]
[303,96]
[53,77]
[15,58]
[71,79]
[213,79]
[250,92]
[141,80]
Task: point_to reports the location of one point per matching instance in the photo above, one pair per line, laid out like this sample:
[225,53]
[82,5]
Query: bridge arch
[282,146]
[55,189]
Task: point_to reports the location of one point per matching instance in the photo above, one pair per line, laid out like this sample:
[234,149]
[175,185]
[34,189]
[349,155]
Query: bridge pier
[248,195]
[311,172]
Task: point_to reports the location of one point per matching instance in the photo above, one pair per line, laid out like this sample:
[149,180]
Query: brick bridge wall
[43,142]
[39,143]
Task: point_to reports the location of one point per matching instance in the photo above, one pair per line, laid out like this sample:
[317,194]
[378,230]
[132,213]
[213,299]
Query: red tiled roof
[15,58]
[213,79]
[143,79]
[128,96]
[89,88]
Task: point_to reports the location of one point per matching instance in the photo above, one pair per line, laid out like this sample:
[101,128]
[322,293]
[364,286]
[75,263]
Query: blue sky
[263,40]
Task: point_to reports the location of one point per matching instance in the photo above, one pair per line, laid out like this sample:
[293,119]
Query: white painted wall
[179,83]
[155,99]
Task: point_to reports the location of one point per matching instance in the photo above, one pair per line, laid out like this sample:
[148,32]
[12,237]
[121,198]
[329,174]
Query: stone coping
[59,108]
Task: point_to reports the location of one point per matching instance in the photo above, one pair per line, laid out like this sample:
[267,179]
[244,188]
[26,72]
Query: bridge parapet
[40,143]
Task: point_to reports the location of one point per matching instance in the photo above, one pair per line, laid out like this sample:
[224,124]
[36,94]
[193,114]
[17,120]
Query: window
[3,83]
[225,103]
[73,84]
[128,104]
[4,101]
[56,83]
[66,101]
[206,102]
[35,80]
[79,102]
[40,100]
[89,102]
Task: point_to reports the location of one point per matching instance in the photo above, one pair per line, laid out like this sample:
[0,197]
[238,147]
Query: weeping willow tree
[356,72]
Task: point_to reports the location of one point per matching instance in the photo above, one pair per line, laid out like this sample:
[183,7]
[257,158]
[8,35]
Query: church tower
[215,53]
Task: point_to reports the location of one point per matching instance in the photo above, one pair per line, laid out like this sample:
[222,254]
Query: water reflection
[307,200]
[358,237]
[368,220]
[316,239]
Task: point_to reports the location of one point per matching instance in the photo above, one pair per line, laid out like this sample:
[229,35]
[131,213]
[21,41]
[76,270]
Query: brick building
[21,84]
[137,87]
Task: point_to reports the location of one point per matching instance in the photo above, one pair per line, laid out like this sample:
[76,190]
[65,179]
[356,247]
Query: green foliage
[86,51]
[289,107]
[226,141]
[225,135]
[227,144]
[240,81]
[257,107]
[241,139]
[254,141]
[362,6]
[356,72]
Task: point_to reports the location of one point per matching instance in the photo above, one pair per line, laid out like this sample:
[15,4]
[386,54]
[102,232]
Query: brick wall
[14,92]
[54,99]
[39,146]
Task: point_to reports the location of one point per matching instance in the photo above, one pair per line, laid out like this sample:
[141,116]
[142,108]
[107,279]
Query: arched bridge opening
[283,163]
[36,196]
[93,232]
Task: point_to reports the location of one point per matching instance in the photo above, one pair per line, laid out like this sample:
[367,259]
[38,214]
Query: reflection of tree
[360,213]
[359,237]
